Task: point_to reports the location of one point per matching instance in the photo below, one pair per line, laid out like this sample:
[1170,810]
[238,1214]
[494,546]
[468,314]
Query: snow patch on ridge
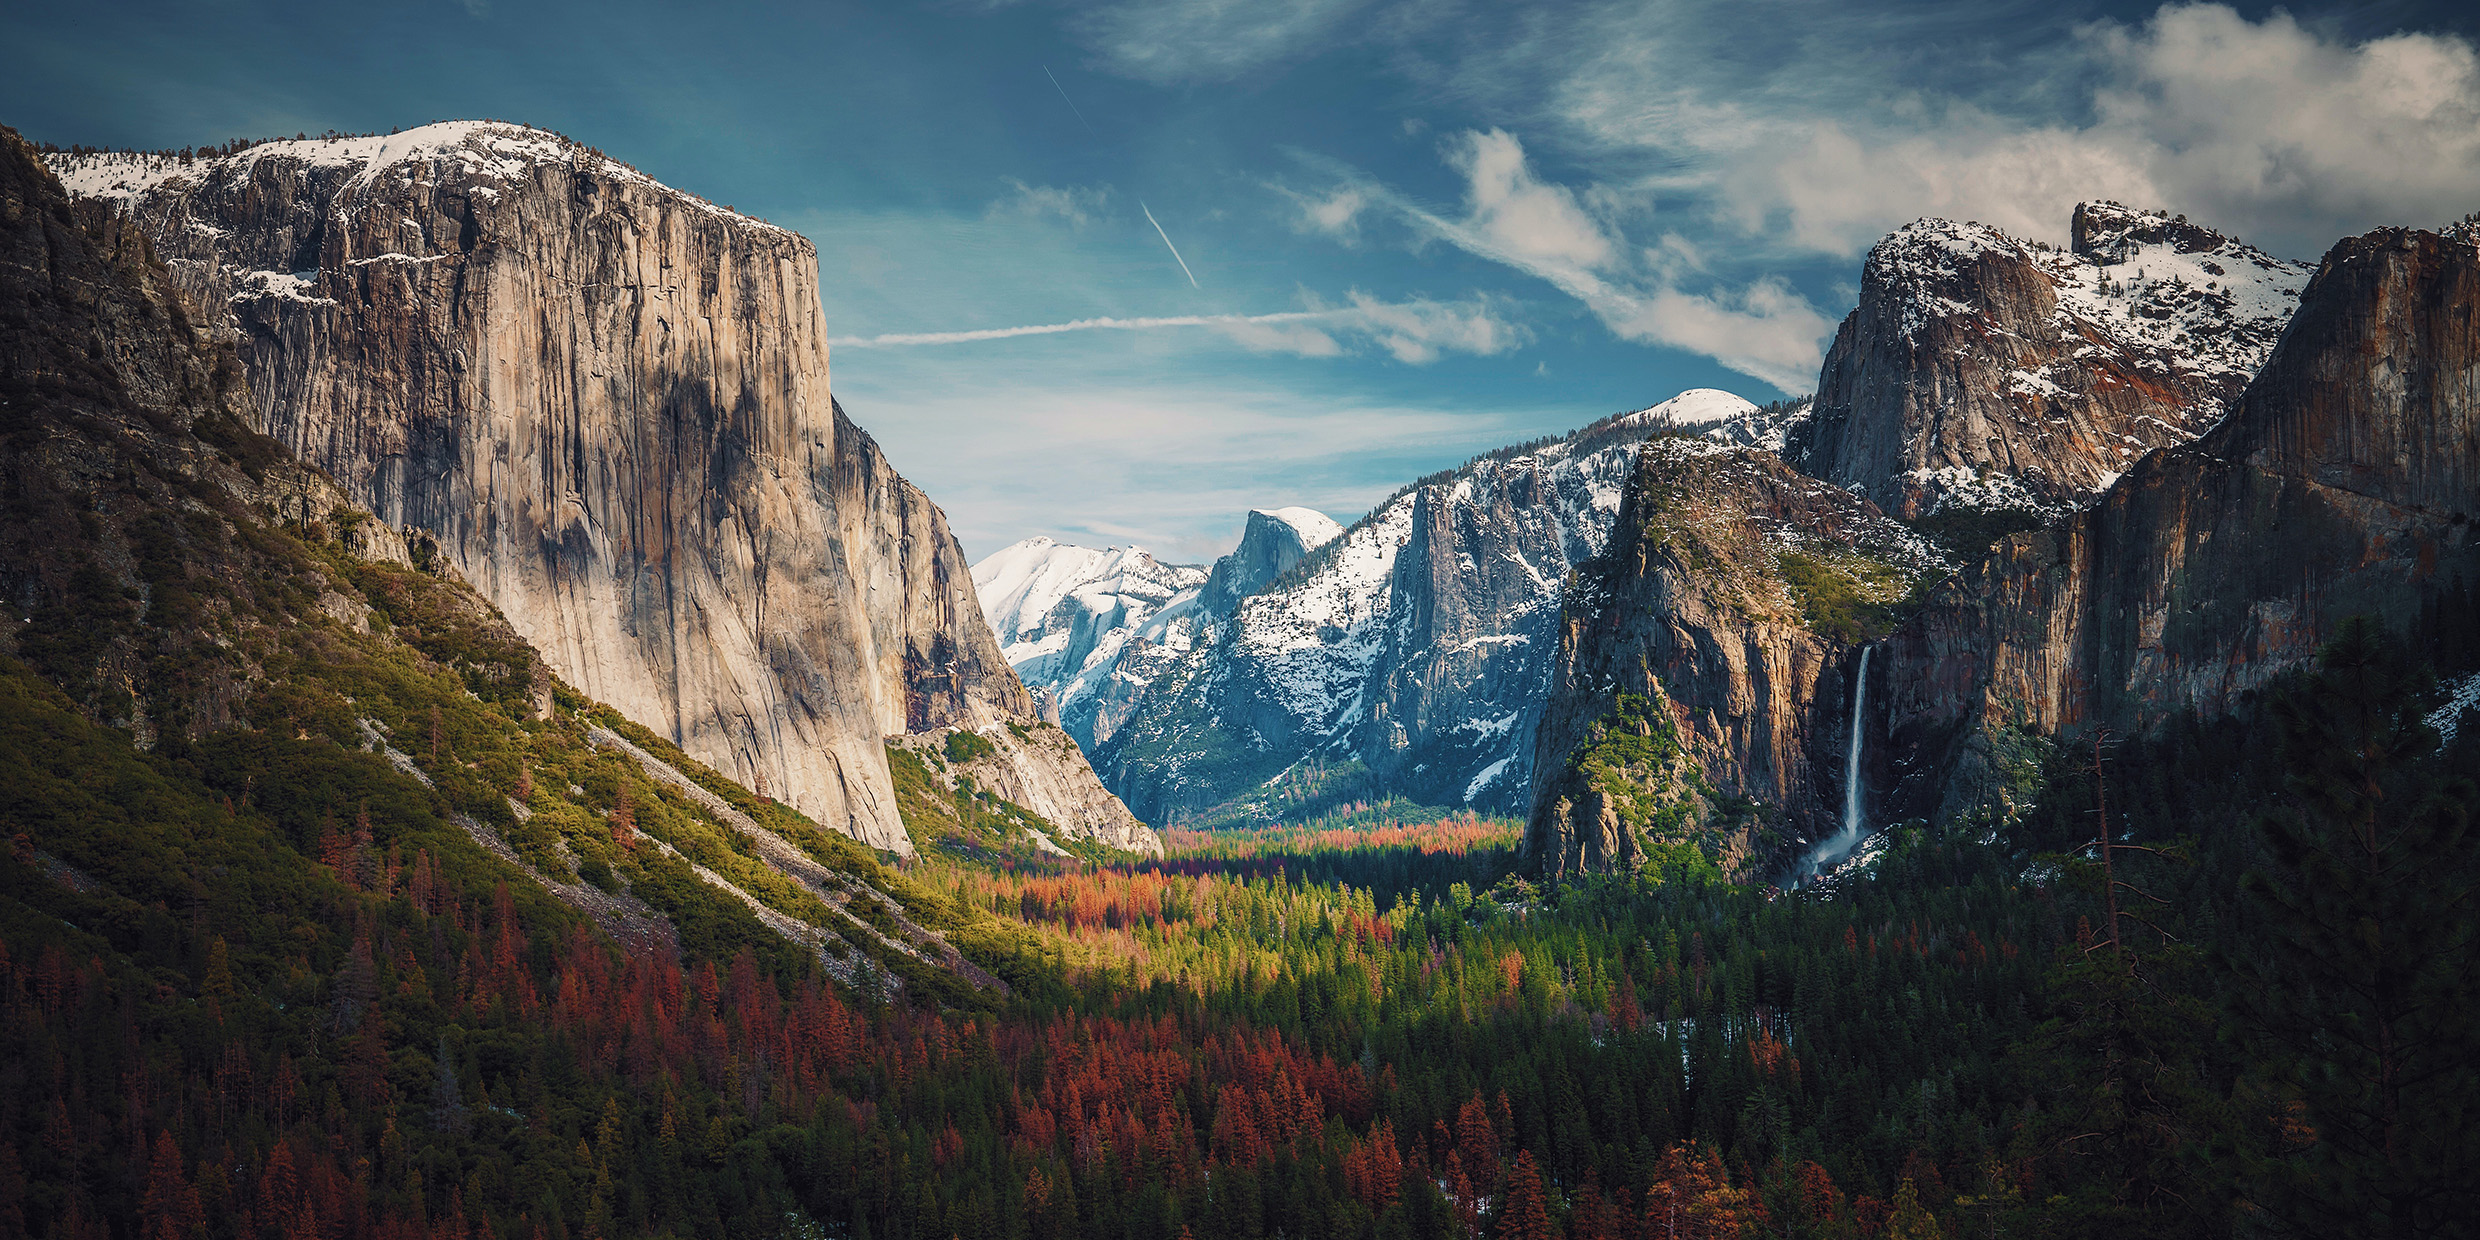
[1063,614]
[492,150]
[2461,696]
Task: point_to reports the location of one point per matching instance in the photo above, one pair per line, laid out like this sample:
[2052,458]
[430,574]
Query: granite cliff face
[1271,543]
[2346,482]
[608,402]
[1704,662]
[1991,373]
[1411,655]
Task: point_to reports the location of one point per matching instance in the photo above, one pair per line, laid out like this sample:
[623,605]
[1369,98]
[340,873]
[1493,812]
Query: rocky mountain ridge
[2343,481]
[608,402]
[2347,482]
[1985,372]
[1413,649]
[1091,630]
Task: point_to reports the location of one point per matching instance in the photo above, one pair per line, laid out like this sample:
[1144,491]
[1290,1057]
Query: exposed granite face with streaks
[1690,606]
[1991,372]
[607,400]
[2347,482]
[1416,644]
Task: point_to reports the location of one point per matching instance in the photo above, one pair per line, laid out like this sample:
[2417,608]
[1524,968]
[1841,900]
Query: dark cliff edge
[2345,483]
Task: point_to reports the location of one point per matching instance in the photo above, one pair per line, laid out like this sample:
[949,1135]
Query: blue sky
[1410,229]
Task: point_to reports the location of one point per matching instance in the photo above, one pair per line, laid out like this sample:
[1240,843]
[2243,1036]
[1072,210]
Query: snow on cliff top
[2151,283]
[1315,528]
[1697,409]
[492,149]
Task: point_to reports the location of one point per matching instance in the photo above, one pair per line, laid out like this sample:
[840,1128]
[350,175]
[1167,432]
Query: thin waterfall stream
[1839,846]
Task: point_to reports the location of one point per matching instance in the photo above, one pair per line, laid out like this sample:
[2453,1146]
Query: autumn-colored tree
[171,1209]
[1692,1197]
[1477,1141]
[1909,1219]
[1526,1212]
[624,820]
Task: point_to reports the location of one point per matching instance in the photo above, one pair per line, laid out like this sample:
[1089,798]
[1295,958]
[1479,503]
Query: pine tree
[2361,1000]
[1911,1220]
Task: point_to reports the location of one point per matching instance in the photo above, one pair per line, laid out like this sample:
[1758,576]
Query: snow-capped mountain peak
[1986,370]
[1315,528]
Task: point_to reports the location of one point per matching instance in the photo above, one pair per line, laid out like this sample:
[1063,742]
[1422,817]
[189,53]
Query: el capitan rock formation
[608,402]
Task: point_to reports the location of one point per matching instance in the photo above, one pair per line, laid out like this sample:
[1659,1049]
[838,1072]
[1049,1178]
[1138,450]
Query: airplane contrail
[1175,250]
[1078,325]
[1063,98]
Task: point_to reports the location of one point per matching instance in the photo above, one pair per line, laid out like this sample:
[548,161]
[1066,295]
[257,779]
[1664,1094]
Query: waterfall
[1853,819]
[1855,827]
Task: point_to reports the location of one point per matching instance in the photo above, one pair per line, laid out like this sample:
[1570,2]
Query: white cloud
[1416,331]
[1518,213]
[1764,329]
[2264,123]
[1335,215]
[1075,204]
[2284,135]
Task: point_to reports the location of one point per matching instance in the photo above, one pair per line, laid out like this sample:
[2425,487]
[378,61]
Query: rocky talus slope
[1413,652]
[2346,482]
[1022,763]
[1704,670]
[1984,371]
[608,402]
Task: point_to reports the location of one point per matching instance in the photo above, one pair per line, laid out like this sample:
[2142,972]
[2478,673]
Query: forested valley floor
[258,989]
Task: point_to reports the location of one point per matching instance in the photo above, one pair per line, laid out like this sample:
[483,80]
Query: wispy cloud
[1209,40]
[1763,329]
[1172,468]
[1077,325]
[1077,205]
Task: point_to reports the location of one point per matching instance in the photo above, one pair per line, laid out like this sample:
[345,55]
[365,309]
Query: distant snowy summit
[1724,417]
[1089,629]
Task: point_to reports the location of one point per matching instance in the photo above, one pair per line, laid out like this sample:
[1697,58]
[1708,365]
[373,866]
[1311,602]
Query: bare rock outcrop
[607,401]
[1991,373]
